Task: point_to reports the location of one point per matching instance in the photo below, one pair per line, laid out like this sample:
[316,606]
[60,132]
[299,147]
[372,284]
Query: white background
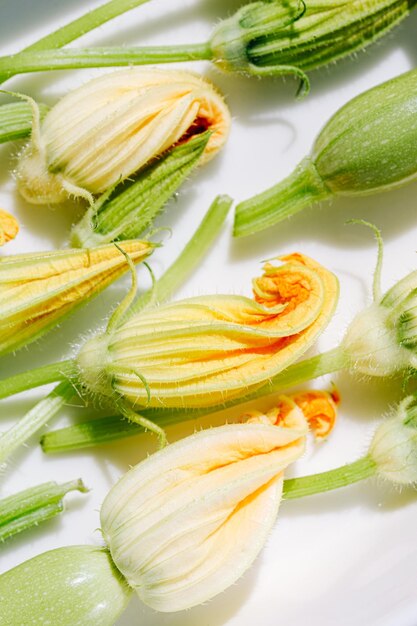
[345,558]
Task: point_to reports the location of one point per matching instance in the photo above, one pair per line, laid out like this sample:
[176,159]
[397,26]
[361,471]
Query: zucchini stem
[75,29]
[34,505]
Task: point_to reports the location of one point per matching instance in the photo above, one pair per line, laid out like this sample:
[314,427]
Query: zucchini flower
[180,527]
[262,38]
[103,132]
[9,227]
[368,146]
[187,522]
[206,350]
[274,38]
[38,289]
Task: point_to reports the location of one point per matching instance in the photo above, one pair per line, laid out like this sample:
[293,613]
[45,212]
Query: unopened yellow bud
[106,130]
[203,351]
[187,522]
[9,227]
[39,288]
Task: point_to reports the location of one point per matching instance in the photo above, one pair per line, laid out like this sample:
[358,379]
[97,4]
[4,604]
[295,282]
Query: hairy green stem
[327,481]
[71,58]
[34,419]
[301,189]
[44,375]
[32,506]
[98,431]
[75,29]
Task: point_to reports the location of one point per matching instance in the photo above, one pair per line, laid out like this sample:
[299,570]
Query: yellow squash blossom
[187,522]
[9,227]
[180,527]
[205,350]
[109,128]
[319,409]
[37,289]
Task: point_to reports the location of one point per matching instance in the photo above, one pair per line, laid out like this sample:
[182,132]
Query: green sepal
[131,207]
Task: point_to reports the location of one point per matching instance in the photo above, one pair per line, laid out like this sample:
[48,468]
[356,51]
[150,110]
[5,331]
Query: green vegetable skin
[368,146]
[72,586]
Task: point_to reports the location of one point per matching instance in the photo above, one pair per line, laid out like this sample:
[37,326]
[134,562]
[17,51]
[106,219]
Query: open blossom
[188,521]
[38,289]
[205,350]
[103,132]
[9,227]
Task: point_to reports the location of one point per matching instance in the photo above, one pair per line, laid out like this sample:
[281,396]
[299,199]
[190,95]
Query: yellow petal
[38,289]
[108,129]
[205,350]
[187,522]
[9,227]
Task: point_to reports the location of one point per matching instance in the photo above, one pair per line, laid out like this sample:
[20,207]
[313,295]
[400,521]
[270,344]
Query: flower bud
[38,289]
[64,587]
[394,445]
[9,227]
[382,339]
[188,521]
[206,350]
[106,130]
[267,38]
[369,145]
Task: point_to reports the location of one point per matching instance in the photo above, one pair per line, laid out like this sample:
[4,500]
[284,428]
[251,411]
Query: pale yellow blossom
[9,227]
[109,128]
[187,522]
[38,289]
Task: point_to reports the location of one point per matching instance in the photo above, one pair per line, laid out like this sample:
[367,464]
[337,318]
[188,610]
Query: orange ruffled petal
[320,410]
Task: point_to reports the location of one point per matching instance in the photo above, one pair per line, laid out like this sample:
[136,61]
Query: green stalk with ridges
[34,419]
[261,38]
[102,430]
[349,474]
[37,378]
[77,28]
[33,506]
